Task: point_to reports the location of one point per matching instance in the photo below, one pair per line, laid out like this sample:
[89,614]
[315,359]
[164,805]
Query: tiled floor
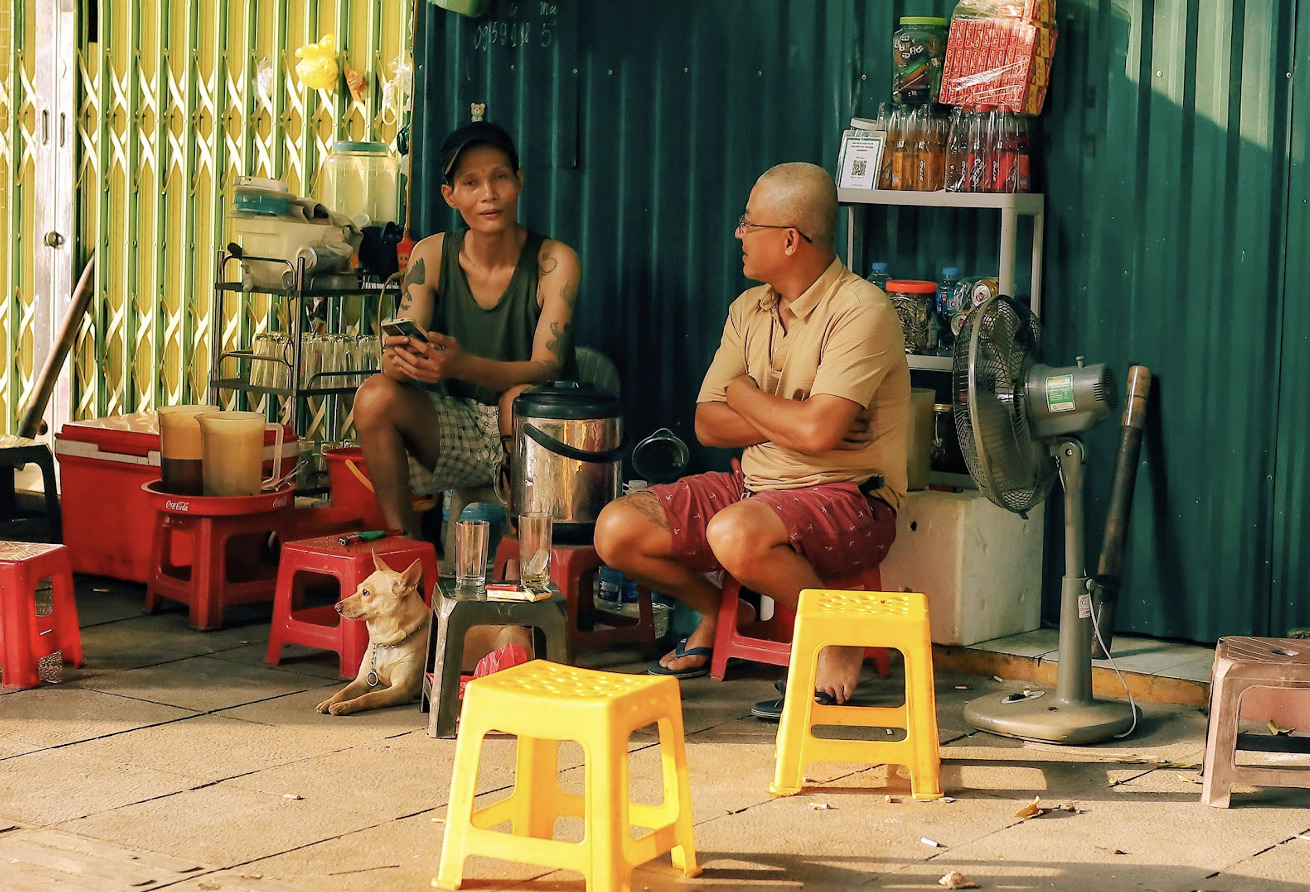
[178,759]
[1145,656]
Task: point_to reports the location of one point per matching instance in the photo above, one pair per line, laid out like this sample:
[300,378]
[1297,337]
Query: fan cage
[1012,468]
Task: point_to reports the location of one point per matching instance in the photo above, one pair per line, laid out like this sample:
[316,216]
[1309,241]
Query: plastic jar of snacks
[918,54]
[914,301]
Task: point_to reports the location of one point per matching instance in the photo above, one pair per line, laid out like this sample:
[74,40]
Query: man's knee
[620,531]
[739,542]
[375,400]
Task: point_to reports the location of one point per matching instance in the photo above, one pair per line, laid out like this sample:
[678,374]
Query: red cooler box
[108,522]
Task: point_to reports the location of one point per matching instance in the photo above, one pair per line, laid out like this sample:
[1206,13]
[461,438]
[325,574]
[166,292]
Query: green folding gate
[122,127]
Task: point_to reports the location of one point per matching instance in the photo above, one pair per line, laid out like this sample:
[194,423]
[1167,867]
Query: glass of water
[534,550]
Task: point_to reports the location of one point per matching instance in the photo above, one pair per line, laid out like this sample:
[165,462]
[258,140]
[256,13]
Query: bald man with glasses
[810,381]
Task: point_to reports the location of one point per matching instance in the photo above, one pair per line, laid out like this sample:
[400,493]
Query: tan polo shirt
[845,340]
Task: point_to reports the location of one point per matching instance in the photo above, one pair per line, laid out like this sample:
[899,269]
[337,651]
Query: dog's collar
[372,678]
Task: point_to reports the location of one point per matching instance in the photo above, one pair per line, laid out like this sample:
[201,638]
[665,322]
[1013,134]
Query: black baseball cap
[476,133]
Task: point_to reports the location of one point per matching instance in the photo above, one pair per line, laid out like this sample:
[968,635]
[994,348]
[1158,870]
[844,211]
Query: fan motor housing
[1068,399]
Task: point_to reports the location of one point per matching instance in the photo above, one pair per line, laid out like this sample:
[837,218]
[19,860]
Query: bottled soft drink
[902,150]
[884,116]
[1022,156]
[977,157]
[1009,173]
[940,131]
[886,175]
[879,275]
[957,152]
[992,140]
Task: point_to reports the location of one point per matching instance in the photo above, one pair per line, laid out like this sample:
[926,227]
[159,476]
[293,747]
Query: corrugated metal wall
[1290,560]
[1169,147]
[1168,238]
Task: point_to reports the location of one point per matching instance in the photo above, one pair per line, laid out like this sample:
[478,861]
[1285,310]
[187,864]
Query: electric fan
[1017,422]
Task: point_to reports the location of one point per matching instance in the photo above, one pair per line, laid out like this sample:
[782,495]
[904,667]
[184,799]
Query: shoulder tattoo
[546,264]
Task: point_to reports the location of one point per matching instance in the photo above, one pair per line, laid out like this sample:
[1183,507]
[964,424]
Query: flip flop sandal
[681,650]
[771,710]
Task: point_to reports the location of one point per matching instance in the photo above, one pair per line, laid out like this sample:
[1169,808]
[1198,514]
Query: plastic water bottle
[946,302]
[611,585]
[629,593]
[879,276]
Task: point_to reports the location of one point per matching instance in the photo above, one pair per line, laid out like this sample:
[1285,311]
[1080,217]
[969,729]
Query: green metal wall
[1173,165]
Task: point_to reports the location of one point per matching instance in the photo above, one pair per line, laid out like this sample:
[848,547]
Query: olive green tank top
[504,332]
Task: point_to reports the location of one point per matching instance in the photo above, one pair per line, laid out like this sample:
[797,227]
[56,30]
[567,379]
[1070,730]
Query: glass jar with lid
[361,178]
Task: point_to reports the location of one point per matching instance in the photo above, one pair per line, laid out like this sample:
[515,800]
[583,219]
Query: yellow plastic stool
[543,703]
[863,619]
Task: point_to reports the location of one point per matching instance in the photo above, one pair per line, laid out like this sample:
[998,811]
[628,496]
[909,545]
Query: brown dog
[391,673]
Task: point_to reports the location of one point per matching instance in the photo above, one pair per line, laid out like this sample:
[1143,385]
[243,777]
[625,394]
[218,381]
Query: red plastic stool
[26,637]
[769,640]
[573,569]
[228,534]
[350,565]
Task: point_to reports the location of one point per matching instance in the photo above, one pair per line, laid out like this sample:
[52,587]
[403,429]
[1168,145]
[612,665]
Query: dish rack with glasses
[301,353]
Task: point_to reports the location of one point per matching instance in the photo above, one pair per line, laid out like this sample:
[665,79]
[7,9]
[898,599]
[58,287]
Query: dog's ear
[379,564]
[410,578]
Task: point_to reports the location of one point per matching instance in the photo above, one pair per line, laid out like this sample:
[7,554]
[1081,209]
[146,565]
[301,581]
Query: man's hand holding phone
[418,356]
[404,328]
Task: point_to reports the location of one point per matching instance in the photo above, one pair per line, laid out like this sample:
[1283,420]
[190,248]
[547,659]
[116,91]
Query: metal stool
[769,641]
[573,570]
[452,617]
[884,619]
[349,565]
[26,636]
[1243,665]
[543,703]
[17,453]
[228,535]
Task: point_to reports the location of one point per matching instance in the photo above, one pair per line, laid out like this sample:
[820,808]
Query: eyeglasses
[742,223]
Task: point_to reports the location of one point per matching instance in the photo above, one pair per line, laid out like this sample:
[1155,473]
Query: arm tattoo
[558,344]
[547,265]
[415,275]
[570,294]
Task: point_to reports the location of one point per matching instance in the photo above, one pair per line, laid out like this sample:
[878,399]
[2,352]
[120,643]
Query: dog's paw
[342,708]
[324,707]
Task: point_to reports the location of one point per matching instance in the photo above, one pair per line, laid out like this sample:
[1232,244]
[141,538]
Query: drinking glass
[471,540]
[180,449]
[534,550]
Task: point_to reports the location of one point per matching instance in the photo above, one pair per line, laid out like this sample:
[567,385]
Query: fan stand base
[1050,719]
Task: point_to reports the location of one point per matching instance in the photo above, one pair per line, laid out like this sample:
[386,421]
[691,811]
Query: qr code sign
[859,167]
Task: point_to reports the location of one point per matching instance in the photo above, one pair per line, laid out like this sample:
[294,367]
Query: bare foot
[699,638]
[839,671]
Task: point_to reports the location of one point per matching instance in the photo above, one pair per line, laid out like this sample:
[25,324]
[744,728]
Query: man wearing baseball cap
[497,303]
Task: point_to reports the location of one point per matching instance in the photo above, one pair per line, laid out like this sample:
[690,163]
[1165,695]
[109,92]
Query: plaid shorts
[837,528]
[470,446]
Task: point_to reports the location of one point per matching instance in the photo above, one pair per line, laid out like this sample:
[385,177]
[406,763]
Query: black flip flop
[681,650]
[771,710]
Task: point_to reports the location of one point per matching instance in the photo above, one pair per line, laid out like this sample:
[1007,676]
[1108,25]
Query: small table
[454,612]
[229,563]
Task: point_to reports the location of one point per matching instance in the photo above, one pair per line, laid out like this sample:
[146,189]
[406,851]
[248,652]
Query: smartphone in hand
[406,328]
